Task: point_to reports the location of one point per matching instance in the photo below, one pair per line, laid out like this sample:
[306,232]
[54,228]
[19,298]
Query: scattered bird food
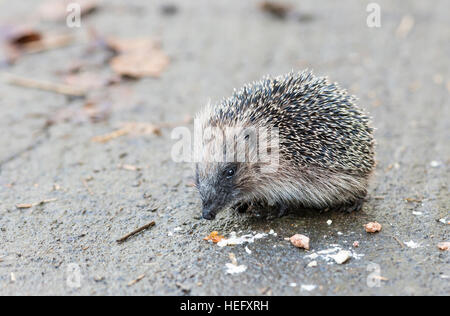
[233,267]
[300,241]
[342,256]
[412,244]
[214,237]
[235,240]
[444,245]
[307,287]
[312,264]
[372,227]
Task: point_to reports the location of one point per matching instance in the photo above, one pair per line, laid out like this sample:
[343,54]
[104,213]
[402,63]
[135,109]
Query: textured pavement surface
[400,76]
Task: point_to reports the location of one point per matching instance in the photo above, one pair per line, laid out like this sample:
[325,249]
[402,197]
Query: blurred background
[87,103]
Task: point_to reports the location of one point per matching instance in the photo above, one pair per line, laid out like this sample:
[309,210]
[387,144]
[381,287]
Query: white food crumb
[342,256]
[443,221]
[233,269]
[417,213]
[313,256]
[293,284]
[340,233]
[435,164]
[308,288]
[234,240]
[329,222]
[271,232]
[312,264]
[248,250]
[412,244]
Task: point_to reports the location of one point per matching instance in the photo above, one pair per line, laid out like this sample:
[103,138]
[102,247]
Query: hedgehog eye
[230,173]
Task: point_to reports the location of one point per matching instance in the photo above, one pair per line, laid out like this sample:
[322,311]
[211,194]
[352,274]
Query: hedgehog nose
[208,214]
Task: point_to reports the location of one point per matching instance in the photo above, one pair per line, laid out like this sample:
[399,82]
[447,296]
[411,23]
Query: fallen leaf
[276,9]
[47,42]
[20,35]
[13,40]
[122,46]
[140,64]
[133,128]
[91,80]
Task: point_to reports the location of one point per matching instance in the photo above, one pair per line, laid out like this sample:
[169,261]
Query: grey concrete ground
[401,77]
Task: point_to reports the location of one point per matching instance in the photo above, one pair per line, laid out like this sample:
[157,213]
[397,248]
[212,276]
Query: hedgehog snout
[210,209]
[213,205]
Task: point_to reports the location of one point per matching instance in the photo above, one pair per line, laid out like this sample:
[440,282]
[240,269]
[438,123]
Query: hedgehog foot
[277,211]
[283,210]
[241,207]
[351,207]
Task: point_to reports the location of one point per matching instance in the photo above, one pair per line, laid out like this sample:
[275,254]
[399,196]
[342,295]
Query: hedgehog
[319,142]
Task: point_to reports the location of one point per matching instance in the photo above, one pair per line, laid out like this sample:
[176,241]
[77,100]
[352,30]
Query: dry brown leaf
[132,45]
[134,128]
[18,36]
[91,80]
[140,64]
[139,129]
[276,9]
[48,42]
[24,39]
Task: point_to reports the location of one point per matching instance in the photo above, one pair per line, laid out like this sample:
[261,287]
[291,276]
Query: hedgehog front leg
[350,207]
[283,210]
[241,207]
[276,211]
